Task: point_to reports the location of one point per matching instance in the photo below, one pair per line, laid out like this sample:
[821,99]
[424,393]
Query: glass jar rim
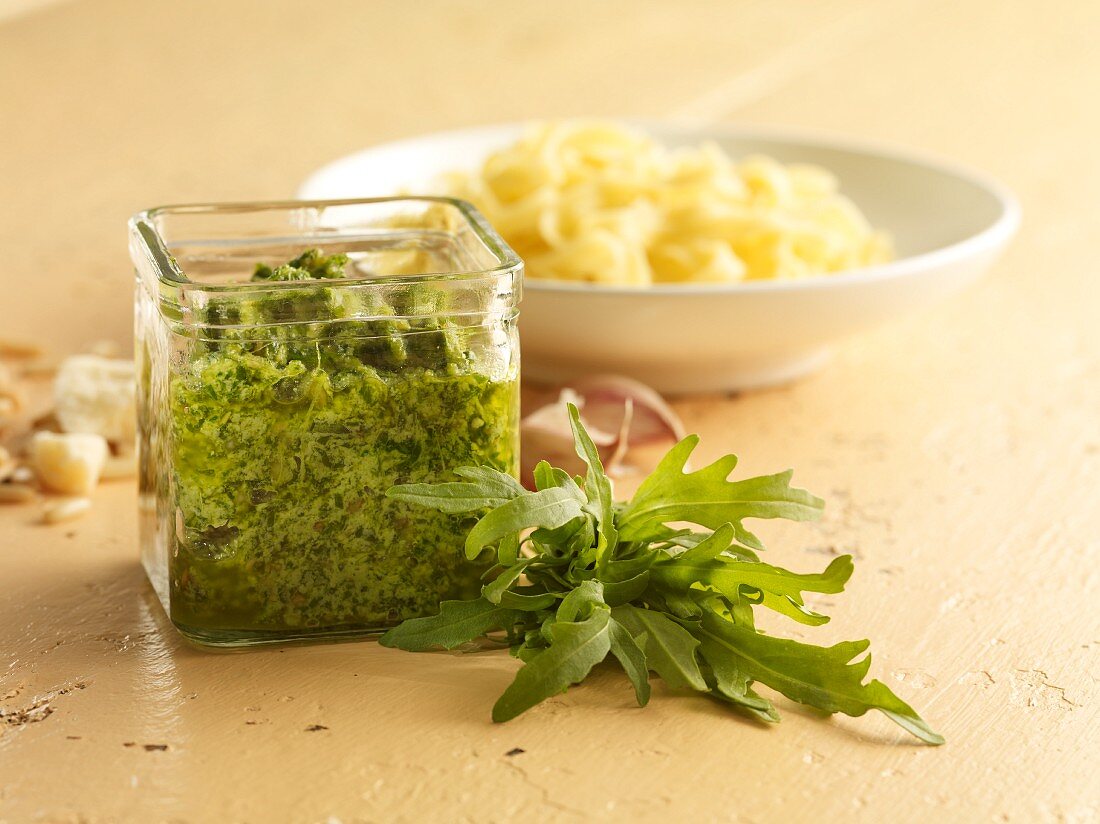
[147,237]
[319,222]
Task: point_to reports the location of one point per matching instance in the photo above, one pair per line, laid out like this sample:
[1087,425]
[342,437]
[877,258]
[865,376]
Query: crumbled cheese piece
[96,395]
[68,463]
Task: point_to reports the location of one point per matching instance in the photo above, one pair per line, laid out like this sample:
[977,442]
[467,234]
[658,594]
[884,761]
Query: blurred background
[111,106]
[959,448]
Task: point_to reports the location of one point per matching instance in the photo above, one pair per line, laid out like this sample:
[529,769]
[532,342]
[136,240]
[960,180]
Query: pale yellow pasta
[598,202]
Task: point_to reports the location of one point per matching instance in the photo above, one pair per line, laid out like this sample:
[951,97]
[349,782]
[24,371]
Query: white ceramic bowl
[948,224]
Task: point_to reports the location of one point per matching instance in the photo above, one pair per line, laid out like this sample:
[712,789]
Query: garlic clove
[613,464]
[618,412]
[546,435]
[605,396]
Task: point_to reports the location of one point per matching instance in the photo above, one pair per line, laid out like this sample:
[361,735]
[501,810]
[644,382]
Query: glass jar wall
[295,361]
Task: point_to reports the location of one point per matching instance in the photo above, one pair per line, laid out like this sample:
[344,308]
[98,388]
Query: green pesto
[285,439]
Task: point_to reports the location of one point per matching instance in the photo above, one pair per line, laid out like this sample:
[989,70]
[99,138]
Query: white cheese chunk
[69,463]
[96,395]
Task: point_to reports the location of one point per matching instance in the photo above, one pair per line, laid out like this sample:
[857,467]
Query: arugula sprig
[581,576]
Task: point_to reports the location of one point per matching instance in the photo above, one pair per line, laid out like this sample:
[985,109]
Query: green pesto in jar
[284,443]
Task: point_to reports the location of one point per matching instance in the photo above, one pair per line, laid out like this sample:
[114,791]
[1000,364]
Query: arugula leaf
[822,677]
[571,537]
[627,568]
[669,648]
[488,489]
[628,650]
[548,509]
[575,648]
[747,538]
[527,601]
[707,549]
[692,539]
[457,623]
[508,550]
[492,591]
[728,576]
[597,486]
[793,608]
[733,683]
[547,477]
[706,498]
[492,480]
[623,592]
[586,597]
[682,604]
[581,577]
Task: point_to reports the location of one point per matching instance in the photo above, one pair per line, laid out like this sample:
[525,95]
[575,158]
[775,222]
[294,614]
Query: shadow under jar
[295,360]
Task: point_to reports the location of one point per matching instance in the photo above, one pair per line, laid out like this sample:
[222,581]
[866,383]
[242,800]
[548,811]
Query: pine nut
[66,510]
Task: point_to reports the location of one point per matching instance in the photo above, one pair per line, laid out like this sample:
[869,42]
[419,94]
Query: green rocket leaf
[548,509]
[823,677]
[487,489]
[457,623]
[582,576]
[629,651]
[706,498]
[575,647]
[669,648]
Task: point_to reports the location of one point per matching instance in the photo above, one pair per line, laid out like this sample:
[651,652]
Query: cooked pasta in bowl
[600,202]
[700,259]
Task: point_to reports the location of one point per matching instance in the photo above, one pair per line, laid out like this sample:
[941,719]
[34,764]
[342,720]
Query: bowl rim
[991,238]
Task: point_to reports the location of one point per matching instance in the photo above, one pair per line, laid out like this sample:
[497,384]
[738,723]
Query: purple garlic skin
[617,411]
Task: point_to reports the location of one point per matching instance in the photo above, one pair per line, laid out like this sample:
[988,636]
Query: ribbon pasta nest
[601,203]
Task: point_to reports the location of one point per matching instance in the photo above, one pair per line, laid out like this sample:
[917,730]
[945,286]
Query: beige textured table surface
[959,450]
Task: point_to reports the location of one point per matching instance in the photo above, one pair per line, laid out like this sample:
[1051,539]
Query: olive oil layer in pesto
[285,441]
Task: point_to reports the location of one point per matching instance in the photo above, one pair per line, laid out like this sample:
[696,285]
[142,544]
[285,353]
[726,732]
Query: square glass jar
[278,403]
